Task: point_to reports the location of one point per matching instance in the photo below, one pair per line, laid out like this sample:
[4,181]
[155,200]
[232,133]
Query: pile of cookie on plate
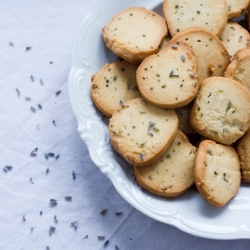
[184,75]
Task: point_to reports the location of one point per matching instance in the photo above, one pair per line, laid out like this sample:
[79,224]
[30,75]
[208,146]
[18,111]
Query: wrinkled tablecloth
[39,140]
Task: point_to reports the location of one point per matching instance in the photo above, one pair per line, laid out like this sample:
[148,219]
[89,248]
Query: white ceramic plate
[189,212]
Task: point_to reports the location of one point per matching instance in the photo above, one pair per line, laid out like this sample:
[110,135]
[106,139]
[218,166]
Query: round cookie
[209,15]
[168,79]
[217,172]
[243,150]
[135,33]
[113,85]
[237,8]
[239,68]
[234,37]
[173,173]
[183,114]
[212,56]
[142,132]
[221,110]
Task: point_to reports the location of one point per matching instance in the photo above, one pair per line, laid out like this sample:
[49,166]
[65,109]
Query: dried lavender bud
[33,153]
[106,243]
[8,168]
[104,211]
[33,109]
[73,175]
[101,237]
[58,92]
[53,201]
[68,197]
[51,230]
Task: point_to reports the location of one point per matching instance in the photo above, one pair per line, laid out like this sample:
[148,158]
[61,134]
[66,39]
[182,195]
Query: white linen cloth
[49,27]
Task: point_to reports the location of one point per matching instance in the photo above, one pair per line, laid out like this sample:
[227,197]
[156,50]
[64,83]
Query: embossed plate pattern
[189,212]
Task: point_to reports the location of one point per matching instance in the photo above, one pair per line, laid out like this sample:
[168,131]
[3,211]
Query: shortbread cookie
[243,150]
[142,132]
[183,114]
[212,56]
[182,14]
[135,33]
[217,172]
[168,79]
[173,173]
[234,37]
[237,8]
[113,85]
[164,43]
[221,110]
[239,68]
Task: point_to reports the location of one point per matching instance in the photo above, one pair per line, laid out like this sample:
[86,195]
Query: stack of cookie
[182,75]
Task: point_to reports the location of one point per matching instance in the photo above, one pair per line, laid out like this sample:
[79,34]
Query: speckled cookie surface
[173,173]
[217,172]
[113,85]
[135,33]
[221,110]
[209,15]
[169,78]
[243,150]
[212,56]
[234,37]
[142,132]
[239,68]
[237,8]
